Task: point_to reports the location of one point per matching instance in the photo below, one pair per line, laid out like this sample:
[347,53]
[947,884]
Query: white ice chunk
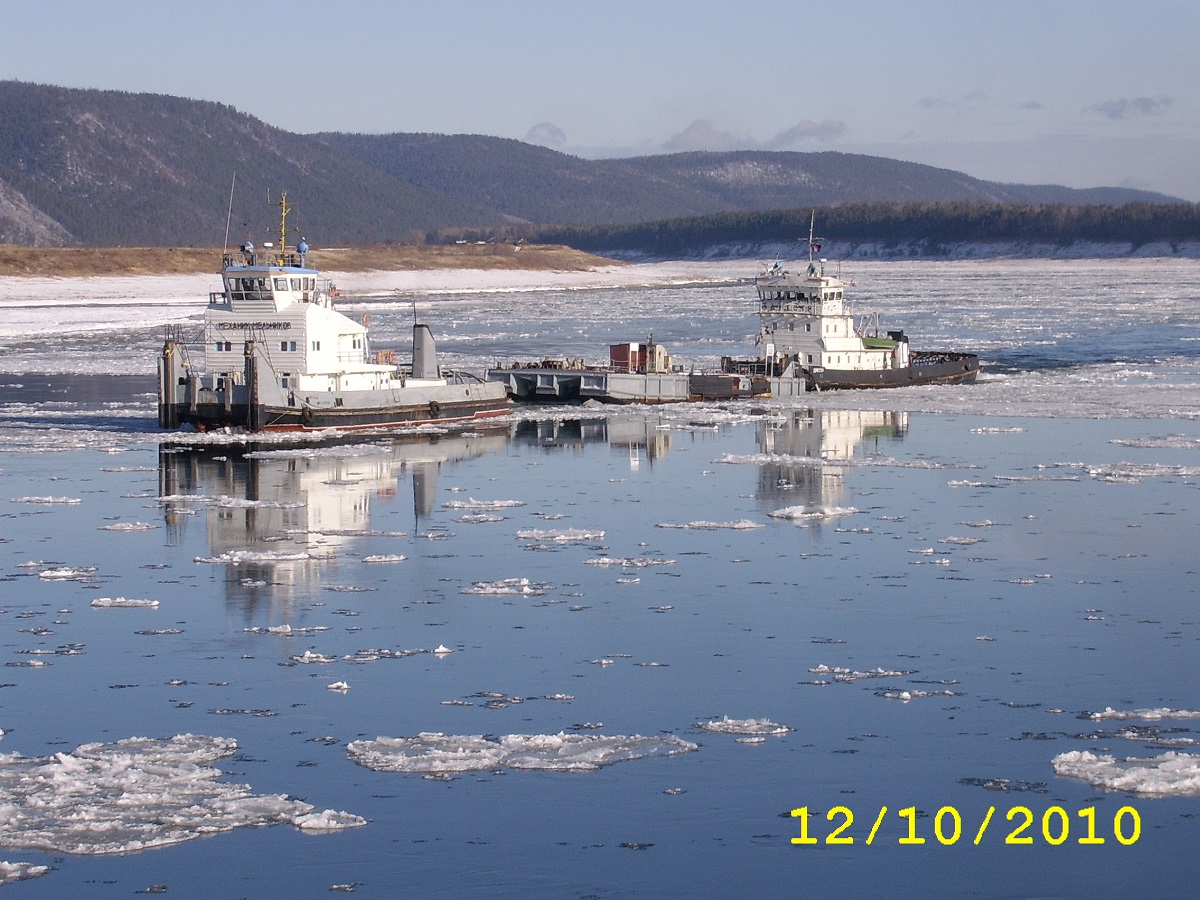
[1169,774]
[1164,712]
[20,871]
[472,503]
[559,535]
[636,562]
[811,513]
[841,673]
[739,525]
[237,557]
[508,586]
[433,752]
[135,794]
[124,603]
[726,725]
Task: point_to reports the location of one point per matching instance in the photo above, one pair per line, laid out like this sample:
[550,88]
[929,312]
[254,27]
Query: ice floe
[482,504]
[437,753]
[1168,774]
[20,871]
[507,586]
[905,696]
[136,794]
[726,725]
[811,513]
[238,557]
[637,562]
[1149,715]
[843,674]
[124,603]
[68,573]
[559,535]
[739,525]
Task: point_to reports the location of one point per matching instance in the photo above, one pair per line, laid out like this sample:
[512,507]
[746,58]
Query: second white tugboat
[276,356]
[808,336]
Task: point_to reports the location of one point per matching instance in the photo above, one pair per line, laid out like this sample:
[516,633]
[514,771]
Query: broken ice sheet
[472,503]
[559,536]
[437,753]
[1164,712]
[136,794]
[1169,774]
[739,525]
[726,725]
[811,513]
[508,586]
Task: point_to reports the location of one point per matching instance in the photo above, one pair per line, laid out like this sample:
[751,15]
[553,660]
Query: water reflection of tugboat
[810,450]
[278,519]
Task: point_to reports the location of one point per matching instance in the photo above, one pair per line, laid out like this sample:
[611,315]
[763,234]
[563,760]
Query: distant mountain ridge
[107,168]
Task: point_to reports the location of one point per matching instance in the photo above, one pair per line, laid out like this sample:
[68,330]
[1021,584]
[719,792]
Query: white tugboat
[809,339]
[276,356]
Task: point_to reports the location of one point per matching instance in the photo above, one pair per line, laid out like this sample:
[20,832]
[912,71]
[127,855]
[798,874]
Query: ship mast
[812,221]
[284,209]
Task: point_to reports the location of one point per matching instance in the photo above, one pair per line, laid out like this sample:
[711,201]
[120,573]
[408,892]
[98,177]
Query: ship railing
[264,257]
[576,364]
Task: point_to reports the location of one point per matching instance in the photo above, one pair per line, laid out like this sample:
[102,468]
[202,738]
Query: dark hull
[213,416]
[925,368]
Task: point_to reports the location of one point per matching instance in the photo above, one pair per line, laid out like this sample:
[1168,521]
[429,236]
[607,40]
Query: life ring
[435,409]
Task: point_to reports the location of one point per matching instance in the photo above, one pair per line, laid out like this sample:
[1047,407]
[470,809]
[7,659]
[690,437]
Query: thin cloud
[547,134]
[703,135]
[806,132]
[1126,108]
[972,100]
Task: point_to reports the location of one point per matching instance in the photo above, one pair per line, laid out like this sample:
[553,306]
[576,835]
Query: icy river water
[934,641]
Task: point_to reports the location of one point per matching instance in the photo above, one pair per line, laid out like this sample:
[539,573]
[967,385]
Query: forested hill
[110,168]
[889,230]
[106,168]
[544,186]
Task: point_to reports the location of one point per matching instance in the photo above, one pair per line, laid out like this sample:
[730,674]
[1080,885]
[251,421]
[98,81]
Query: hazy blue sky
[1077,92]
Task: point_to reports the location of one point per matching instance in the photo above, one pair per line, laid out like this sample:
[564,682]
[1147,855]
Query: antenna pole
[229,215]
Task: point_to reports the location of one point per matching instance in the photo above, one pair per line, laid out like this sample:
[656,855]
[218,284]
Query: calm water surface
[1008,576]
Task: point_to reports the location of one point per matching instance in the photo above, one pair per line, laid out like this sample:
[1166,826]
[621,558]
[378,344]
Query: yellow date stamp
[1020,825]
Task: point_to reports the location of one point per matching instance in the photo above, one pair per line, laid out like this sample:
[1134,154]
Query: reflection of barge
[634,373]
[808,335]
[276,356]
